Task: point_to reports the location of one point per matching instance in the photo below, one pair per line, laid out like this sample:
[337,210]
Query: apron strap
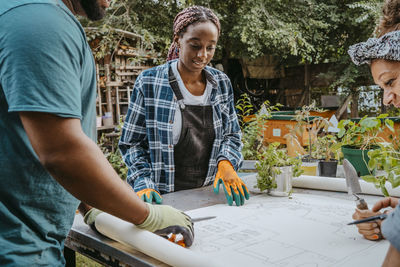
[175,87]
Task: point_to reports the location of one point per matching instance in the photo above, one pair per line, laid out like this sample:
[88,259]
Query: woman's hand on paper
[234,188]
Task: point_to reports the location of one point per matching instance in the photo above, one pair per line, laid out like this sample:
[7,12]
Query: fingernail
[376,230]
[375,237]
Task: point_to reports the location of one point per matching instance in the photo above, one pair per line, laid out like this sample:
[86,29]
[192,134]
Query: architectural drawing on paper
[306,230]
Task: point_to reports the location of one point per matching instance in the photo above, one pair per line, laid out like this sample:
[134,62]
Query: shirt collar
[209,77]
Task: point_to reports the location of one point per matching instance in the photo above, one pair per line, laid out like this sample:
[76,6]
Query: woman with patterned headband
[181,130]
[383,56]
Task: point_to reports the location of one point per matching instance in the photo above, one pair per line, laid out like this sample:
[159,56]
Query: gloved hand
[233,186]
[164,220]
[148,195]
[90,217]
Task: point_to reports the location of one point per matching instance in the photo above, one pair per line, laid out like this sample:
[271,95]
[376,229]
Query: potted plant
[387,159]
[276,169]
[357,138]
[324,150]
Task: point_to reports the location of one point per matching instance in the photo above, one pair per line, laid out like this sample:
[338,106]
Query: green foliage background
[294,31]
[299,31]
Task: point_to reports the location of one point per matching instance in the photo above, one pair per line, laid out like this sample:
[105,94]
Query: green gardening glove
[90,217]
[148,195]
[164,220]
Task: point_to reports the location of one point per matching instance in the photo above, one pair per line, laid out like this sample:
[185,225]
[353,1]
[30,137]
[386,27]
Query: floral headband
[385,47]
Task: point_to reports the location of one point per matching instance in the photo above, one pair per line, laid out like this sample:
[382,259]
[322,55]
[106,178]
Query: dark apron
[193,150]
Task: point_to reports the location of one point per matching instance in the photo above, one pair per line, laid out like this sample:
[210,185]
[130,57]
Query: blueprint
[301,230]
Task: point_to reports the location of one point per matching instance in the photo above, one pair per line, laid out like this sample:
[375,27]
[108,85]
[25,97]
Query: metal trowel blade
[352,182]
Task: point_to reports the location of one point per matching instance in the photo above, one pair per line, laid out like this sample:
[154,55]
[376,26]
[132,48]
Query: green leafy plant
[324,147]
[108,143]
[253,126]
[268,163]
[387,159]
[363,134]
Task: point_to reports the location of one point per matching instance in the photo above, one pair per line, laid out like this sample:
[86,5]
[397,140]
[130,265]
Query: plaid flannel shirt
[146,143]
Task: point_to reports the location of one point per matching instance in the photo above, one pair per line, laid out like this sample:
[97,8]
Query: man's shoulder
[40,23]
[6,6]
[50,16]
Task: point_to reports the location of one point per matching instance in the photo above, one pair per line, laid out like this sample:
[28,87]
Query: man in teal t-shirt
[36,75]
[47,128]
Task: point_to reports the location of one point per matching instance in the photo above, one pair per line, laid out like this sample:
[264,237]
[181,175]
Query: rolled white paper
[339,184]
[324,183]
[149,243]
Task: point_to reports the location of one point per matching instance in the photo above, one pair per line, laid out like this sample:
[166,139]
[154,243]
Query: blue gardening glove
[148,195]
[235,189]
[165,220]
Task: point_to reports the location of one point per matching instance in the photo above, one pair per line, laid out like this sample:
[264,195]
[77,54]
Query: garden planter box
[276,127]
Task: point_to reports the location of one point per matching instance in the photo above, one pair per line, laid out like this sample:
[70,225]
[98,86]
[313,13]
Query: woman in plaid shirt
[181,130]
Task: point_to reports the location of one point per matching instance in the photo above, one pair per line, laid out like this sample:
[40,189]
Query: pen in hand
[369,219]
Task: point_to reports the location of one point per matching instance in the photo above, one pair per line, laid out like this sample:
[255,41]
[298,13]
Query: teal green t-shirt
[47,66]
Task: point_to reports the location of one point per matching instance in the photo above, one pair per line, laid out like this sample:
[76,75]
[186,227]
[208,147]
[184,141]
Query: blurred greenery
[82,261]
[298,31]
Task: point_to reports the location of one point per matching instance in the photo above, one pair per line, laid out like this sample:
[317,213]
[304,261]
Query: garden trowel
[353,184]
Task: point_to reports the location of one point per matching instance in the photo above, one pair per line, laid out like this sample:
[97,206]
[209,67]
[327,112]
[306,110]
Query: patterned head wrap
[385,47]
[187,17]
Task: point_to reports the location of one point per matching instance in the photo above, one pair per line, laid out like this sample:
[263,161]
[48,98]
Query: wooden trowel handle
[361,204]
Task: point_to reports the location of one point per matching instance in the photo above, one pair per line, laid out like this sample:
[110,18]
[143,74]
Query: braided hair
[390,19]
[189,16]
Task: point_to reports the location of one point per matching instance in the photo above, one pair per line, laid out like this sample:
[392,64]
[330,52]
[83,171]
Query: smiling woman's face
[197,45]
[386,74]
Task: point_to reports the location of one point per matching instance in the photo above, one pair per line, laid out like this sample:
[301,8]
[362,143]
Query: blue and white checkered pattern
[146,143]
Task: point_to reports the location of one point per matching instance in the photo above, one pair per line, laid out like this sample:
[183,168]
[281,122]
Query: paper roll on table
[149,243]
[339,184]
[324,183]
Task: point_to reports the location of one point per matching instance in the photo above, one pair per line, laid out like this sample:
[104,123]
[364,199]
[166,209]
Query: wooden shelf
[105,127]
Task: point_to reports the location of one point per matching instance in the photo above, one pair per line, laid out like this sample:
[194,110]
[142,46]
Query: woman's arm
[231,145]
[134,143]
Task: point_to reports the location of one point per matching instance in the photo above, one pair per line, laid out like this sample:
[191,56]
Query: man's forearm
[76,162]
[83,170]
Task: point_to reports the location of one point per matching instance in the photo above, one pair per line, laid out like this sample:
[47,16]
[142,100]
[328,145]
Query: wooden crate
[278,126]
